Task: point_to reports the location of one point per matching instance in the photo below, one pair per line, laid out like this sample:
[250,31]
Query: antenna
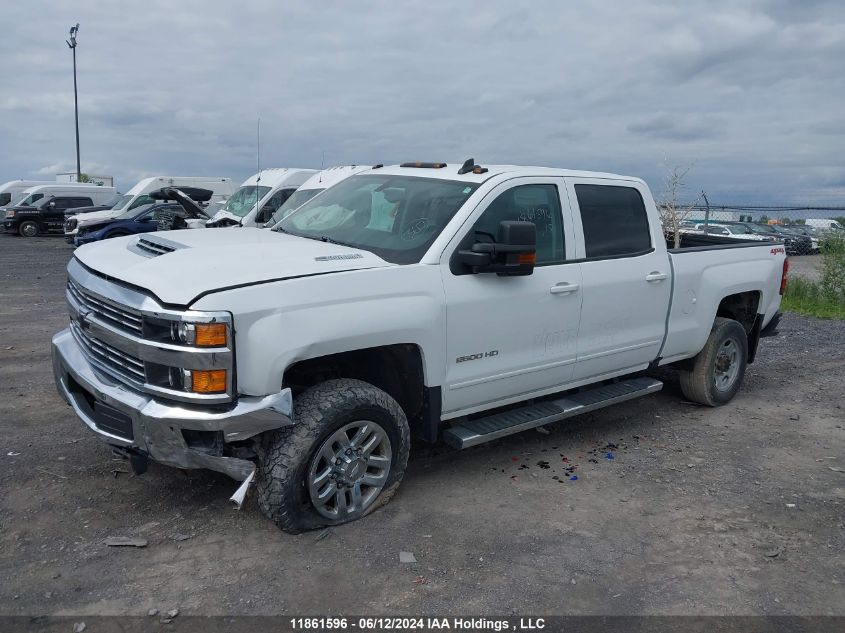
[258,150]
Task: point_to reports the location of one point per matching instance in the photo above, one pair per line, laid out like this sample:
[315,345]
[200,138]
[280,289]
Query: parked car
[732,231]
[172,209]
[44,214]
[461,302]
[794,244]
[139,195]
[258,198]
[807,231]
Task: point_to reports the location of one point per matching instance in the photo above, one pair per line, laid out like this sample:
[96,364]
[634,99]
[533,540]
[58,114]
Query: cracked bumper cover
[157,426]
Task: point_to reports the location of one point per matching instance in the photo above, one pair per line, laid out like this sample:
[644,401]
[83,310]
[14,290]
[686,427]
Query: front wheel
[718,369]
[28,229]
[344,457]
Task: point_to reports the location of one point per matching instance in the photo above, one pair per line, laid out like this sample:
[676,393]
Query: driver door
[508,338]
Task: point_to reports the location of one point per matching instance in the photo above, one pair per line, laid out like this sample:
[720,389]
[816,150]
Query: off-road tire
[698,383]
[23,229]
[284,455]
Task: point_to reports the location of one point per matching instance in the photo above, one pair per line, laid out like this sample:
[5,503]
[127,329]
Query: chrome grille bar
[112,314]
[114,360]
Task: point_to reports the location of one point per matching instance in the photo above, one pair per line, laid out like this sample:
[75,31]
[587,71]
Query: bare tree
[672,211]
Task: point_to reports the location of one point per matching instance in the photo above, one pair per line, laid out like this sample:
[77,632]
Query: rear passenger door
[625,277]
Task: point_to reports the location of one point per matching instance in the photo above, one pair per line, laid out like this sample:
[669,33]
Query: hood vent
[153,247]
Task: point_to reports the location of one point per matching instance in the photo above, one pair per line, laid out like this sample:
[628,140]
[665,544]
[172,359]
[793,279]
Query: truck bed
[703,242]
[705,270]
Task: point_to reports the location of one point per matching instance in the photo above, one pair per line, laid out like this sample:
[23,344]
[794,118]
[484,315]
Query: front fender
[285,322]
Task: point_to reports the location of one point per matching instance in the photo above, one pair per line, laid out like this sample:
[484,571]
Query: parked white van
[139,195]
[12,191]
[269,187]
[317,183]
[824,223]
[96,193]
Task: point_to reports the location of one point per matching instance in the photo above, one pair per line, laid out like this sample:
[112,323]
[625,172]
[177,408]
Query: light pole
[72,46]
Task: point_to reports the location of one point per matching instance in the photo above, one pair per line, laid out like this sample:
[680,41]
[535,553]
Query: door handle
[655,275]
[563,288]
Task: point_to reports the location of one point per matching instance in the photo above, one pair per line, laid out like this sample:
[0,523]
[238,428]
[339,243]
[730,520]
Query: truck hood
[196,262]
[85,219]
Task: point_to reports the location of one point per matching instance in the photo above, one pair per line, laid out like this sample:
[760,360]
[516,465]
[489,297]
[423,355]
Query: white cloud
[751,95]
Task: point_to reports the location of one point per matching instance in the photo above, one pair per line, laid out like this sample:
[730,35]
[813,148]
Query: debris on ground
[324,534]
[836,469]
[180,537]
[790,505]
[543,430]
[152,612]
[407,557]
[421,580]
[12,454]
[173,613]
[52,474]
[774,552]
[125,541]
[78,627]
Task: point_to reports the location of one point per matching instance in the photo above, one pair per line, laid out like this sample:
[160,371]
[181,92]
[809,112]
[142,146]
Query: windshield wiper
[325,238]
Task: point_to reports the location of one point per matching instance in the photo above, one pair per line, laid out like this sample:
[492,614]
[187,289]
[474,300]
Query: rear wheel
[717,370]
[28,229]
[343,458]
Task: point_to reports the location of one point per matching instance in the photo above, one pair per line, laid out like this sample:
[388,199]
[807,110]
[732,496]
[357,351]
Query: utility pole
[72,46]
[706,212]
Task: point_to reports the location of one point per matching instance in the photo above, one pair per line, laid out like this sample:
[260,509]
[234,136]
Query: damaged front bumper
[177,435]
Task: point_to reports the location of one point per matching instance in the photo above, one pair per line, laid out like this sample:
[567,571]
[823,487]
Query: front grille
[111,359]
[154,248]
[109,312]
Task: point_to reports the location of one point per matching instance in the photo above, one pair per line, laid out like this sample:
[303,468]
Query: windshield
[395,217]
[243,200]
[112,202]
[33,197]
[296,200]
[122,201]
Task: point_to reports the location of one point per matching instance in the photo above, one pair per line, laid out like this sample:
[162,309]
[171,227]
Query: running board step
[533,415]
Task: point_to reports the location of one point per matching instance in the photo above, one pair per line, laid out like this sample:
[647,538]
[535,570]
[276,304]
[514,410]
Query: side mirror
[513,254]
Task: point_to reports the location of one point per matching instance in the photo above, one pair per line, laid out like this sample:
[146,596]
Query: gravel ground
[677,509]
[807,266]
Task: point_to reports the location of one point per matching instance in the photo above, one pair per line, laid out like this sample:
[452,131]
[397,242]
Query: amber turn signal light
[208,381]
[210,334]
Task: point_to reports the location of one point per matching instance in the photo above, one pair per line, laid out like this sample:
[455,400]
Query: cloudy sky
[751,94]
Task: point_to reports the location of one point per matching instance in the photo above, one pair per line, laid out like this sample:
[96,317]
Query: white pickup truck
[453,302]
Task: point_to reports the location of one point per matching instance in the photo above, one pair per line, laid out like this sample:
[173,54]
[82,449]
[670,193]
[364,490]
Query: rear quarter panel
[701,279]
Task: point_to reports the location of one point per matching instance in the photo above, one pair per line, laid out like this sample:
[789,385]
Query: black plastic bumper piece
[772,328]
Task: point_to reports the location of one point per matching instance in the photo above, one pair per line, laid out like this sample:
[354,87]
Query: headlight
[200,334]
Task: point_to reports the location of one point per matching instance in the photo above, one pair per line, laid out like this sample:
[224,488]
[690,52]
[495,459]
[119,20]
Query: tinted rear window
[614,219]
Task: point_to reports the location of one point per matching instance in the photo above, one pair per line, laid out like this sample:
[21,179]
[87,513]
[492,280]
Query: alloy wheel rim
[29,230]
[350,469]
[726,366]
